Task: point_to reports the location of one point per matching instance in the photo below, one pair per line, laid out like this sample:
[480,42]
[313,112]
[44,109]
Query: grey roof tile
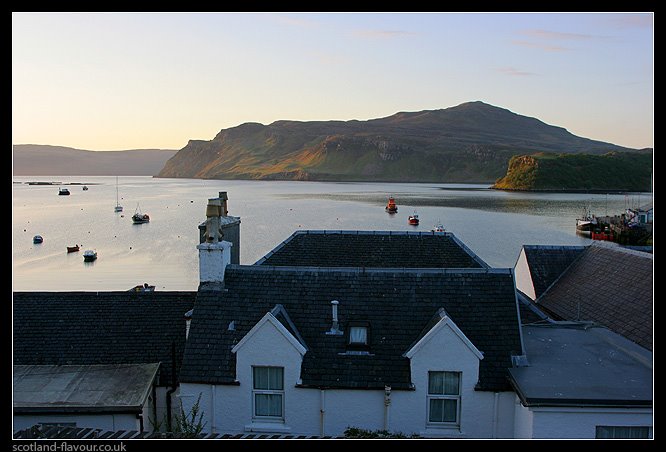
[398,304]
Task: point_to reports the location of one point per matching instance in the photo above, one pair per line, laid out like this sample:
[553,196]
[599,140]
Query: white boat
[587,222]
[118,207]
[438,229]
[140,217]
[89,255]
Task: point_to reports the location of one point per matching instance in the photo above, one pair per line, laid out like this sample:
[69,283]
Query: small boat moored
[142,288]
[438,229]
[413,219]
[89,255]
[391,207]
[73,249]
[85,187]
[37,239]
[63,191]
[139,217]
[587,222]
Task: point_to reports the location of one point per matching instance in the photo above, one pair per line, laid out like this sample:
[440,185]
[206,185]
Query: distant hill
[44,160]
[471,142]
[578,172]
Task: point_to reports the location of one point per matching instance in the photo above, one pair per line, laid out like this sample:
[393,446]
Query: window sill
[267,427]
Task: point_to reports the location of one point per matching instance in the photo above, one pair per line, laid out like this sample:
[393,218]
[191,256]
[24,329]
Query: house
[90,351]
[583,381]
[399,331]
[539,266]
[108,396]
[603,283]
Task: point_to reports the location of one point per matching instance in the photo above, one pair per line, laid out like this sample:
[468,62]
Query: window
[268,392]
[444,398]
[358,335]
[607,432]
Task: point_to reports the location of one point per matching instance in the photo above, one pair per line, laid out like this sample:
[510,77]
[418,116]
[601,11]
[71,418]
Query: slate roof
[547,263]
[573,364]
[85,328]
[377,249]
[609,285]
[91,389]
[398,304]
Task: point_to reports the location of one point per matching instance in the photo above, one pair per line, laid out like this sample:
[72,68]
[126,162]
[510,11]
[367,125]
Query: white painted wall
[228,408]
[97,421]
[576,423]
[523,276]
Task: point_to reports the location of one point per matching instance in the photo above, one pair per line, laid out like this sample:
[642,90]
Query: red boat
[414,219]
[72,249]
[390,206]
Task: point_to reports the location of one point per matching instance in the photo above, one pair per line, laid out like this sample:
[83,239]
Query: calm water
[163,252]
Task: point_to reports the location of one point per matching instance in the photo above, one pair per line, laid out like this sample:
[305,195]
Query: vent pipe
[335,325]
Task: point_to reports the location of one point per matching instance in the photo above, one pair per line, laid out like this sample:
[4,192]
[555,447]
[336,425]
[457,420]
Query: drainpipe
[322,411]
[173,384]
[212,410]
[387,406]
[495,413]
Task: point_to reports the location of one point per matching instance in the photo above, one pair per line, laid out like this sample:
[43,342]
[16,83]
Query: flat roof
[582,364]
[79,388]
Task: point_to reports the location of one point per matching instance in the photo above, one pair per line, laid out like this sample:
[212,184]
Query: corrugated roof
[397,304]
[85,328]
[609,285]
[78,388]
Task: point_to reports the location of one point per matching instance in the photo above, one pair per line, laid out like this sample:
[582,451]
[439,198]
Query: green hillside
[614,171]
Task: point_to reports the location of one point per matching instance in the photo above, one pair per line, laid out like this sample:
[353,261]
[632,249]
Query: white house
[311,350]
[583,381]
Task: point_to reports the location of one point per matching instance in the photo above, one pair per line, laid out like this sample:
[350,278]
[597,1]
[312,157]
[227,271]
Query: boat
[142,288]
[390,206]
[587,221]
[37,239]
[63,191]
[85,188]
[139,217]
[438,229]
[89,255]
[73,249]
[602,234]
[118,207]
[413,219]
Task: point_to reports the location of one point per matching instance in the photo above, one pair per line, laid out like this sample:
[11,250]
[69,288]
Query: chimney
[214,253]
[335,330]
[223,197]
[228,226]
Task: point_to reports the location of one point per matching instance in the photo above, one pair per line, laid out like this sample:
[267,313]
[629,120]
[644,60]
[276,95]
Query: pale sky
[111,81]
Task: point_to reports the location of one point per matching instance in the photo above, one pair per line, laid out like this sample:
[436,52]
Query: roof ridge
[360,270]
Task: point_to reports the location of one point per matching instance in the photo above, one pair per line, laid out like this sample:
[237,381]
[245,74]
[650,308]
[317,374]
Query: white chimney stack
[214,253]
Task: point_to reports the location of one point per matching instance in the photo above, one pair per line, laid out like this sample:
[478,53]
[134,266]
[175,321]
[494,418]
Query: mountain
[44,160]
[561,172]
[471,142]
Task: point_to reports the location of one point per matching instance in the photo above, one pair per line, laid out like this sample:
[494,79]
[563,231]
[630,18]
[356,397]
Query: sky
[114,81]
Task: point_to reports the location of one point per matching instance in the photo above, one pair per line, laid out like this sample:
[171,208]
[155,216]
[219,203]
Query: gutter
[174,385]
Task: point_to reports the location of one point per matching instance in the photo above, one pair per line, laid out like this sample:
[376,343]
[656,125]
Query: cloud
[539,45]
[294,21]
[382,34]
[556,35]
[511,71]
[633,21]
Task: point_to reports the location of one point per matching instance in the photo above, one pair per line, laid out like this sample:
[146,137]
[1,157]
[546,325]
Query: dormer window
[358,335]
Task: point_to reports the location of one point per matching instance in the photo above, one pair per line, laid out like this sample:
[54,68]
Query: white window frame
[457,399]
[256,392]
